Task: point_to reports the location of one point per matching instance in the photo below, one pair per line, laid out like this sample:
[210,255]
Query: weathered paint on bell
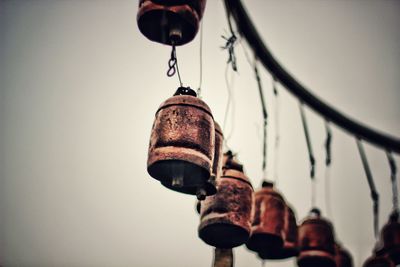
[170,22]
[378,261]
[390,239]
[290,247]
[268,222]
[225,218]
[343,257]
[181,149]
[316,242]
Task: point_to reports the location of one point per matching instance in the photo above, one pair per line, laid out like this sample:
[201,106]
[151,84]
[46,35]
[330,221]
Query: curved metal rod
[249,32]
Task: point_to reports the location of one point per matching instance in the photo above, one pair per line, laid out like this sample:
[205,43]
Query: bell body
[378,261]
[316,243]
[225,218]
[343,257]
[390,239]
[268,222]
[170,22]
[181,149]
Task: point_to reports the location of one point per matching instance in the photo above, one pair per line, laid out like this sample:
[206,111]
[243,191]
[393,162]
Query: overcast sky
[79,86]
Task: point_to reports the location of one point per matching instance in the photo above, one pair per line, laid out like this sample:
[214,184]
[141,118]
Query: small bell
[170,22]
[181,149]
[316,242]
[343,257]
[390,238]
[290,232]
[268,222]
[225,218]
[378,261]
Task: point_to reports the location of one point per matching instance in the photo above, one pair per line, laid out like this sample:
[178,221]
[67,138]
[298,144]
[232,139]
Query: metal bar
[249,32]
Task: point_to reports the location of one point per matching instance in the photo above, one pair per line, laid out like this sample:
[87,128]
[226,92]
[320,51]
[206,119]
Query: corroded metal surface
[268,222]
[226,216]
[290,234]
[390,239]
[169,22]
[343,257]
[316,242]
[181,149]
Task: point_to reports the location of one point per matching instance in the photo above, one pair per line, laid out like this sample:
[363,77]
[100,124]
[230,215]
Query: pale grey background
[79,86]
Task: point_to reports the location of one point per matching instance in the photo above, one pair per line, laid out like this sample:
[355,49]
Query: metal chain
[173,65]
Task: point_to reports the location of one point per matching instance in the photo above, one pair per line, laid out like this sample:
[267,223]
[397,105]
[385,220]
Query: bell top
[233,169]
[267,188]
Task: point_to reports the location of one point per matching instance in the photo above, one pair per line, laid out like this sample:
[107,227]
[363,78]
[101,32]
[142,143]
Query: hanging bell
[343,257]
[378,261]
[390,238]
[290,231]
[225,218]
[170,22]
[181,149]
[268,222]
[316,242]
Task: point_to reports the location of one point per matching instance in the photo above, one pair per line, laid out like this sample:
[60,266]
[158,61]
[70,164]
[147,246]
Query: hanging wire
[200,59]
[277,128]
[393,173]
[310,154]
[328,161]
[173,65]
[230,43]
[230,108]
[370,179]
[308,140]
[265,119]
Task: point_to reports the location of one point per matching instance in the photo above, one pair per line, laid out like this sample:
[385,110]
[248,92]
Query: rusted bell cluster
[389,244]
[316,242]
[225,218]
[182,145]
[171,22]
[268,221]
[343,257]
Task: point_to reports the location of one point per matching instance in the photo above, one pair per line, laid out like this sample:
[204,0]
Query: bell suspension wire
[173,65]
[374,192]
[230,42]
[328,161]
[229,109]
[310,154]
[277,128]
[200,60]
[265,119]
[393,173]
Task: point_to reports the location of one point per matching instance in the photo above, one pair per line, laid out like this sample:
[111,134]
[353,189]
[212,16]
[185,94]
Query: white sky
[79,86]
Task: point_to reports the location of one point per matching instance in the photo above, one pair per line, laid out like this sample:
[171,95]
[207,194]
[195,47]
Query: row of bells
[170,22]
[185,155]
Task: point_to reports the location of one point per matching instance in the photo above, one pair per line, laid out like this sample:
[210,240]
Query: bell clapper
[177,181]
[175,35]
[201,193]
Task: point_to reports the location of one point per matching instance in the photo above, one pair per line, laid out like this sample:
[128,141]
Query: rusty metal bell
[290,232]
[225,218]
[170,22]
[343,257]
[390,238]
[316,242]
[268,222]
[181,149]
[378,261]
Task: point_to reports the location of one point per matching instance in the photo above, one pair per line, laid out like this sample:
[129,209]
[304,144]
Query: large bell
[268,222]
[343,257]
[225,218]
[170,22]
[181,149]
[290,232]
[390,238]
[316,242]
[378,261]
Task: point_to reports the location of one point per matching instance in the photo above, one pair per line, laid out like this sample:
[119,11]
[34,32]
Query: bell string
[328,161]
[393,177]
[277,128]
[173,65]
[371,183]
[230,43]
